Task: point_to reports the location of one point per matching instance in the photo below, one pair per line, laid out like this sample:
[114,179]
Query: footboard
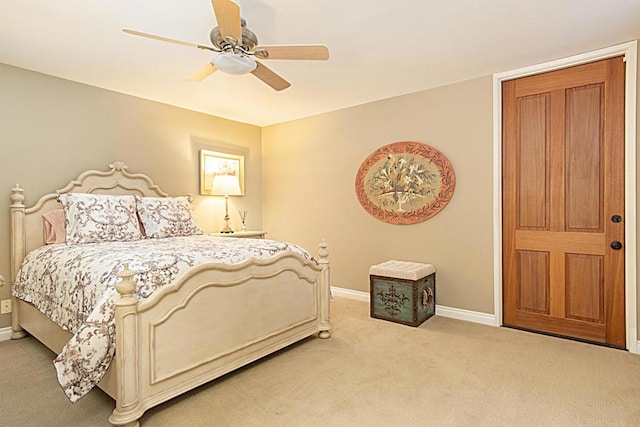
[215,319]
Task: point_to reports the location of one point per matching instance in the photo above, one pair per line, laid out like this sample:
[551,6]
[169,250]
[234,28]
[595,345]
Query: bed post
[126,356]
[18,252]
[325,291]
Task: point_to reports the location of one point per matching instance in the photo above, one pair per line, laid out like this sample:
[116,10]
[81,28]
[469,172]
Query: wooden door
[563,202]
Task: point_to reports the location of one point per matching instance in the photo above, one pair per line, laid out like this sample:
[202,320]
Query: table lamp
[229,185]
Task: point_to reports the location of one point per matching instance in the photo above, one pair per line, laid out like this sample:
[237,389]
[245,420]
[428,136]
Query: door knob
[616,218]
[616,245]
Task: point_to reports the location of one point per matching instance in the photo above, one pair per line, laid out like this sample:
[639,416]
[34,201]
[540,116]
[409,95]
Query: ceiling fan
[237,46]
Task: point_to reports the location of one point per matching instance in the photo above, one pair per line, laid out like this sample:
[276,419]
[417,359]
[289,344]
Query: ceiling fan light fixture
[234,63]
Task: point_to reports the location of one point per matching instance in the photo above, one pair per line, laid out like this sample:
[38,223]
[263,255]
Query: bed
[212,319]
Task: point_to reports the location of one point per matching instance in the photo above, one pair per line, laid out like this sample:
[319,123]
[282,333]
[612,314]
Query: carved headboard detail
[27,228]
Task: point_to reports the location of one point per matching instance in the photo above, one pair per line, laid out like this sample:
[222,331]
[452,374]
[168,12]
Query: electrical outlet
[5,306]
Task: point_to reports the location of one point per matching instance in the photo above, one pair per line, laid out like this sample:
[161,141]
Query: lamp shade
[228,185]
[234,63]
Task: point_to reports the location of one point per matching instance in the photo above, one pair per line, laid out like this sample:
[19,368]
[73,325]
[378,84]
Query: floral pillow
[167,216]
[92,218]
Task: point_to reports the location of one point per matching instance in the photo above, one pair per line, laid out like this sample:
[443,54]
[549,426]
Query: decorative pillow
[166,216]
[92,218]
[54,229]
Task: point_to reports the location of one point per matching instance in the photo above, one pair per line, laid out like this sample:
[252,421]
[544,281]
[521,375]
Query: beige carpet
[371,373]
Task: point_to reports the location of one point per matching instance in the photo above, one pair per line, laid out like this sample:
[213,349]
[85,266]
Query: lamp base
[226,228]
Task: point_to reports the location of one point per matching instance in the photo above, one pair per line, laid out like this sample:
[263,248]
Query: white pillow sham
[166,216]
[92,218]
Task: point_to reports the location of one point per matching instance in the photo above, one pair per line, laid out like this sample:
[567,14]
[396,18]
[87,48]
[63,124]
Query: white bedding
[74,285]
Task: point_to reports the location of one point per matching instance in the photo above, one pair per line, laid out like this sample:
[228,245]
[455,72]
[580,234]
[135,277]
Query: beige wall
[309,169]
[52,129]
[57,128]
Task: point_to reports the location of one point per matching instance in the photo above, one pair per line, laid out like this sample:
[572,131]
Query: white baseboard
[348,293]
[469,316]
[454,313]
[5,333]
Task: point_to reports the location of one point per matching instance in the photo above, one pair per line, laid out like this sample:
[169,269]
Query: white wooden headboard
[27,226]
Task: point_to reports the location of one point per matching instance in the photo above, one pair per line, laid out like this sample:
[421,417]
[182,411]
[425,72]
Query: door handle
[616,245]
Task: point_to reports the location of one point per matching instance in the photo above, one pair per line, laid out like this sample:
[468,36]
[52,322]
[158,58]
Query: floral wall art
[405,182]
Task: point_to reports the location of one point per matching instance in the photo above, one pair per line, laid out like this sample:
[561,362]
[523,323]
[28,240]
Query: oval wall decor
[405,182]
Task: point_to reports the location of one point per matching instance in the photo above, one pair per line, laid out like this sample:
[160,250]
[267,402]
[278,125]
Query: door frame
[629,50]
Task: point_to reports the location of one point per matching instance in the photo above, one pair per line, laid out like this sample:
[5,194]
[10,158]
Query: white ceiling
[378,49]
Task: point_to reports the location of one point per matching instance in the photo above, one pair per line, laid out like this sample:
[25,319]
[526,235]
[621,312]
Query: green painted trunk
[410,302]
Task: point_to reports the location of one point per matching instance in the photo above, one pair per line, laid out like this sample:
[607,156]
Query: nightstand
[241,234]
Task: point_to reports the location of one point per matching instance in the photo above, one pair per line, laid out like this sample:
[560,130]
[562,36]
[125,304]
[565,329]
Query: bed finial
[17,196]
[323,251]
[126,286]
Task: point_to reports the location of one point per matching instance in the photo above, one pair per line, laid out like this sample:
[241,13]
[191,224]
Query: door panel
[584,140]
[533,204]
[533,292]
[563,179]
[584,293]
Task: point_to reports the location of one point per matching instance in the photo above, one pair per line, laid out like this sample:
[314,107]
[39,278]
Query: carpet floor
[371,372]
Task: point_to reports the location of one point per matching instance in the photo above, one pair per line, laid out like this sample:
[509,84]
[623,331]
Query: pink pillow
[54,228]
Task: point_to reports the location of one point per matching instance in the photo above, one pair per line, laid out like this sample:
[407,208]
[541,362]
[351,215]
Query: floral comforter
[74,285]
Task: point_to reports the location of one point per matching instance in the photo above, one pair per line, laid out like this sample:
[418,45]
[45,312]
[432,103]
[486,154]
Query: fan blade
[269,77]
[312,52]
[228,17]
[166,39]
[201,74]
